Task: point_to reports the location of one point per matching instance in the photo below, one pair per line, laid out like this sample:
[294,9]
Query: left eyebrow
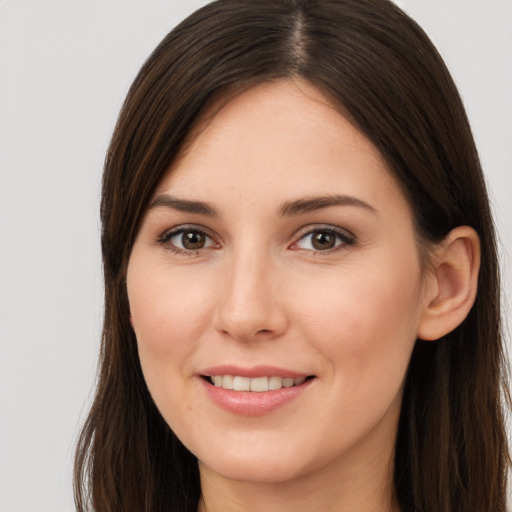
[309,204]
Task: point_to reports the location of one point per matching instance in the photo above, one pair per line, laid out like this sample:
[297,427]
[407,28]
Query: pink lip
[247,403]
[252,372]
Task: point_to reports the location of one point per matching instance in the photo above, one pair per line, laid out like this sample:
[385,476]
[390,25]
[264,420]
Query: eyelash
[342,235]
[344,238]
[165,240]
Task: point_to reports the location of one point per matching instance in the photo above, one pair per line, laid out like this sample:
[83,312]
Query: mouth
[256,384]
[254,391]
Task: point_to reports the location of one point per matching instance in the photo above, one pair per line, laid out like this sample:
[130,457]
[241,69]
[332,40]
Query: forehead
[277,139]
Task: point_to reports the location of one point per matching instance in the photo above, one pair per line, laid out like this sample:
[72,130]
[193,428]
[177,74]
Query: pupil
[323,241]
[193,240]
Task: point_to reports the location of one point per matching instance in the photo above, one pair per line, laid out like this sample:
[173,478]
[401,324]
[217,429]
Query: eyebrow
[184,205]
[309,204]
[289,208]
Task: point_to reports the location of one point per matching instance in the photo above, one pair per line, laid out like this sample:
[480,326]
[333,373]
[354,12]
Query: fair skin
[239,268]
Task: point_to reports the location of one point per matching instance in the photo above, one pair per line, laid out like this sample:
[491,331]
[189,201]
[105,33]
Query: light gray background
[65,67]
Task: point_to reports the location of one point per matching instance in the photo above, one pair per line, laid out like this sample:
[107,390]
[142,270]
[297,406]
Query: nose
[250,302]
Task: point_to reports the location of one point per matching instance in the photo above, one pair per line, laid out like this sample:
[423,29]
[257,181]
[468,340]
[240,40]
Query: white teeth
[288,382]
[227,381]
[275,383]
[241,384]
[258,384]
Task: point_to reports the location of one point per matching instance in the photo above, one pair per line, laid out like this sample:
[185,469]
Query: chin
[274,463]
[254,471]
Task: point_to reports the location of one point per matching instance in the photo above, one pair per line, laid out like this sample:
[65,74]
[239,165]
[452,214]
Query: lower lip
[251,403]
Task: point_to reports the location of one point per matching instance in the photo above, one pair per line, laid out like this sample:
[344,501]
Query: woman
[301,287]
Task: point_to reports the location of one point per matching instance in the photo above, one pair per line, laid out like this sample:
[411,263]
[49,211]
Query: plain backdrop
[65,67]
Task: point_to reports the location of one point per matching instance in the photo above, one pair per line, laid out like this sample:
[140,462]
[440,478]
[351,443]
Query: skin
[259,293]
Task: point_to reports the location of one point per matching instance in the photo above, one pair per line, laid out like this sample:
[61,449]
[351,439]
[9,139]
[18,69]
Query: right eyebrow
[184,205]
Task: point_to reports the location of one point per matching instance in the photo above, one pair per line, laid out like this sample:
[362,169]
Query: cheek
[169,315]
[365,321]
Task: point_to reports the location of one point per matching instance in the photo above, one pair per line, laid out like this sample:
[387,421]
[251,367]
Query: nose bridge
[248,300]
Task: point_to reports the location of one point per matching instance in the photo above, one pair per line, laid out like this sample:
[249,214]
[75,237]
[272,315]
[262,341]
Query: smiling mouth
[257,384]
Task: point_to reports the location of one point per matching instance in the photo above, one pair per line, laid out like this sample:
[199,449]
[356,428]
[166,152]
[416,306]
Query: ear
[452,287]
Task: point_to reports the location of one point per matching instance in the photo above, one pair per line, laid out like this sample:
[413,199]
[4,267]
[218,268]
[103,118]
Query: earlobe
[454,284]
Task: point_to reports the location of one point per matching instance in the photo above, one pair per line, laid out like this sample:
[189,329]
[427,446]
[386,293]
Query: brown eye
[193,240]
[185,240]
[324,240]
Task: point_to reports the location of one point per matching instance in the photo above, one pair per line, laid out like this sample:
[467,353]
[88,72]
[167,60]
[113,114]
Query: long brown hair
[380,69]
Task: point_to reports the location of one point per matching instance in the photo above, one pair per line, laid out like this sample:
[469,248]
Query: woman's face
[279,248]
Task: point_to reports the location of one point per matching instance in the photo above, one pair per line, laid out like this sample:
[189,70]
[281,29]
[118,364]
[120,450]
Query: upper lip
[252,372]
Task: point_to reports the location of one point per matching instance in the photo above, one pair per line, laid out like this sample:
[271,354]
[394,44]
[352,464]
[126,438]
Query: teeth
[241,383]
[257,384]
[275,383]
[288,382]
[227,381]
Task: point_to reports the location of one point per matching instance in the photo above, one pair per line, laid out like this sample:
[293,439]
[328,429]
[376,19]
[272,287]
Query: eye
[186,240]
[324,240]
